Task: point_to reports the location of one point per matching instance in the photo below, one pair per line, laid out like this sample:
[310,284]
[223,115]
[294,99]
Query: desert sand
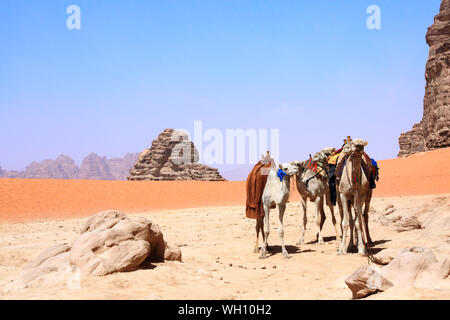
[207,220]
[40,199]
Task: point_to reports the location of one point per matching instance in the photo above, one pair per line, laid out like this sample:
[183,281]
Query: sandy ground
[218,258]
[40,199]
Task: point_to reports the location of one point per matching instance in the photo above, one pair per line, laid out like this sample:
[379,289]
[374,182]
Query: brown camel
[353,190]
[314,185]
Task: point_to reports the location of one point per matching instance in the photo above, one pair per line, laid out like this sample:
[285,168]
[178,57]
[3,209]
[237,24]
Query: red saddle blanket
[256,181]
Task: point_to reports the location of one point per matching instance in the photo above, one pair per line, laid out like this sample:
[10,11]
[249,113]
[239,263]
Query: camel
[353,190]
[314,185]
[276,193]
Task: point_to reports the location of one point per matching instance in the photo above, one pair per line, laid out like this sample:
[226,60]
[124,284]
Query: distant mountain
[120,167]
[92,167]
[62,168]
[95,168]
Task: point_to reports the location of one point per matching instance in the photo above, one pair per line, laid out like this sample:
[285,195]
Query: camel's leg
[345,224]
[337,227]
[366,216]
[258,228]
[266,231]
[318,202]
[323,217]
[341,212]
[351,243]
[358,225]
[305,221]
[281,208]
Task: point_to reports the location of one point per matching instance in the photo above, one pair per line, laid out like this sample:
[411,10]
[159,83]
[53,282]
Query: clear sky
[309,68]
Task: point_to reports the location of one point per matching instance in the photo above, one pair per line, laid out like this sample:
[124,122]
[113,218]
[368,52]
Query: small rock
[408,224]
[366,281]
[385,256]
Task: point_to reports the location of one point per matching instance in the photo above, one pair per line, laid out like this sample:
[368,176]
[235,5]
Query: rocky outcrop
[93,167]
[414,267]
[172,156]
[433,131]
[108,242]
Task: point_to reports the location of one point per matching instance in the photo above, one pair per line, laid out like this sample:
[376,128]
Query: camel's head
[301,165]
[323,155]
[328,151]
[358,145]
[290,168]
[355,147]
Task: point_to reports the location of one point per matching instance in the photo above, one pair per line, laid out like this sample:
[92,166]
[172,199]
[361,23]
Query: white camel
[314,185]
[276,192]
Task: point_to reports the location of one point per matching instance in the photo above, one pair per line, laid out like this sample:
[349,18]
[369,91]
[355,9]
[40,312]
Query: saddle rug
[256,181]
[365,166]
[312,165]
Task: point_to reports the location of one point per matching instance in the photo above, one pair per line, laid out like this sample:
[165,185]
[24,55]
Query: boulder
[101,252]
[365,281]
[403,270]
[51,264]
[109,242]
[385,256]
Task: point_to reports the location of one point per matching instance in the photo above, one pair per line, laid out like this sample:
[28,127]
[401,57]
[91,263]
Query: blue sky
[310,68]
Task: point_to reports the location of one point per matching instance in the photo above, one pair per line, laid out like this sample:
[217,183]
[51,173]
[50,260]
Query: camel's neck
[355,170]
[286,184]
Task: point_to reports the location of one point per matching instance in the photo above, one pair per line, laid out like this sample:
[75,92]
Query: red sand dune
[35,199]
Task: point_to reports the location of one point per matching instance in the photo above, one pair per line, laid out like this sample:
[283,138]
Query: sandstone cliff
[433,131]
[172,156]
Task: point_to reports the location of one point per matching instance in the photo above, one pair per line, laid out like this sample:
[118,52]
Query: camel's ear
[365,143]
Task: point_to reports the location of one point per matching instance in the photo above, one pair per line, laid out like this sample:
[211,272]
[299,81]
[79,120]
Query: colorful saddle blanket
[313,165]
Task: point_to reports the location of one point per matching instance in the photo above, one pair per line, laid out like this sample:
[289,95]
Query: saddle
[315,167]
[366,165]
[256,181]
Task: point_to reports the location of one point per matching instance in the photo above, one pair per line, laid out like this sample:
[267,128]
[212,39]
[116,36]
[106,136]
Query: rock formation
[414,267]
[108,242]
[172,156]
[93,167]
[433,131]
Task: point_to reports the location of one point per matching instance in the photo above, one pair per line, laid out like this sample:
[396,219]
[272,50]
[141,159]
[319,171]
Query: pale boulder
[385,256]
[51,264]
[403,270]
[365,281]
